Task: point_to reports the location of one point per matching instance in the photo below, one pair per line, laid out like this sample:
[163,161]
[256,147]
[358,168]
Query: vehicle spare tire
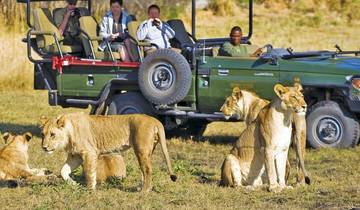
[164,77]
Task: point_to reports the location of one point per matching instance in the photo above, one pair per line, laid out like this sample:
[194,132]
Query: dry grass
[335,173]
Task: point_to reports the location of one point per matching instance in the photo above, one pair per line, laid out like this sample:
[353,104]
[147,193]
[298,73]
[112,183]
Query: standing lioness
[86,137]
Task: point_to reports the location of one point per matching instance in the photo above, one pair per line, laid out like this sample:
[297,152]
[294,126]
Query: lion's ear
[236,93]
[280,90]
[61,121]
[43,120]
[28,136]
[297,84]
[6,137]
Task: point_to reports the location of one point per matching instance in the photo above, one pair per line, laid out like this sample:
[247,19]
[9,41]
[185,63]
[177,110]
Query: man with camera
[67,21]
[155,31]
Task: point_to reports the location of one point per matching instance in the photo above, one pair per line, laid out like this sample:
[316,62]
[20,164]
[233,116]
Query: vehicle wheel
[164,77]
[130,103]
[330,125]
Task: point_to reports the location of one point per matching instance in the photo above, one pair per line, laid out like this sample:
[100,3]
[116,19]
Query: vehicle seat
[136,47]
[90,39]
[182,38]
[215,50]
[42,23]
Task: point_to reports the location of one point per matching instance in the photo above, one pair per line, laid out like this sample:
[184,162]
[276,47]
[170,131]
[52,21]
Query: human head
[116,6]
[236,35]
[154,11]
[71,4]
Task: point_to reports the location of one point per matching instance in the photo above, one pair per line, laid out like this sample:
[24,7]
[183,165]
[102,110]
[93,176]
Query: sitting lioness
[14,159]
[86,137]
[261,150]
[247,106]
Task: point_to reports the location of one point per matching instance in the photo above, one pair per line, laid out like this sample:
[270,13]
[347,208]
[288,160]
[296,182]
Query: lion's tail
[162,139]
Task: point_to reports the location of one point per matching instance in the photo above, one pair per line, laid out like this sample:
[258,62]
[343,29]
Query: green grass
[335,173]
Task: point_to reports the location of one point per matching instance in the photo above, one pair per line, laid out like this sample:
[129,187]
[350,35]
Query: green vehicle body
[215,77]
[325,75]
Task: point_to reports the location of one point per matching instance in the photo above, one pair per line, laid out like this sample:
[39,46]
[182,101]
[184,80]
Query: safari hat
[72,1]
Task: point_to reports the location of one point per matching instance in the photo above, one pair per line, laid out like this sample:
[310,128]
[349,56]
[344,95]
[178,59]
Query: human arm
[64,21]
[169,32]
[104,29]
[143,30]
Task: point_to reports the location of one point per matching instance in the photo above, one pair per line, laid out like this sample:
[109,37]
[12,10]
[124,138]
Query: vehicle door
[218,75]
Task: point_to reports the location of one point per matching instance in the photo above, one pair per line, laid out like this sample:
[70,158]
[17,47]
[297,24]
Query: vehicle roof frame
[193,16]
[28,8]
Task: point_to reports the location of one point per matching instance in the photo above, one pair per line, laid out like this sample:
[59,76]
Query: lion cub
[14,159]
[262,149]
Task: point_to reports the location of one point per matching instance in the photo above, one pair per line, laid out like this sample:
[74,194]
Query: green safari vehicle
[185,91]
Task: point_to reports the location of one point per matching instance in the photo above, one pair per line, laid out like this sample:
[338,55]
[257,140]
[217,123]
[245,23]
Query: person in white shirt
[155,31]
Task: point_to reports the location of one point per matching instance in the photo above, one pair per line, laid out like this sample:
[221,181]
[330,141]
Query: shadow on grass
[216,140]
[19,129]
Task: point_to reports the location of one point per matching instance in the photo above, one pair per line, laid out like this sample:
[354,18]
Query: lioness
[108,165]
[247,106]
[86,137]
[14,159]
[265,142]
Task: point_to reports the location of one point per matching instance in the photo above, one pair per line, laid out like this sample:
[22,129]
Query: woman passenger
[113,28]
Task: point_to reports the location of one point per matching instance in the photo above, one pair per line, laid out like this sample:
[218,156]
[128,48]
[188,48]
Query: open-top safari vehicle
[185,91]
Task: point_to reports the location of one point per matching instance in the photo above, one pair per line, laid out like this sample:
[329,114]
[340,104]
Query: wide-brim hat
[72,1]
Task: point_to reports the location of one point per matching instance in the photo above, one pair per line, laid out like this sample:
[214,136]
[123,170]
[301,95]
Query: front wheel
[330,125]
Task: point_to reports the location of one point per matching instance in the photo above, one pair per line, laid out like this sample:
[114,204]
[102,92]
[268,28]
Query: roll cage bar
[213,41]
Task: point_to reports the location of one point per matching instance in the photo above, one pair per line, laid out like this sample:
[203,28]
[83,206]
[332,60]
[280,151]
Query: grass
[335,173]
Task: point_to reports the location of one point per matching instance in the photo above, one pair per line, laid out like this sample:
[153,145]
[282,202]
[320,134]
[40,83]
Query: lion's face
[54,135]
[292,98]
[233,104]
[20,142]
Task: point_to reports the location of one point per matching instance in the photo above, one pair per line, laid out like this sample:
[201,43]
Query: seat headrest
[181,35]
[89,25]
[132,28]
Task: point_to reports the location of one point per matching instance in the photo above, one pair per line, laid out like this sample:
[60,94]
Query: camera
[155,23]
[76,13]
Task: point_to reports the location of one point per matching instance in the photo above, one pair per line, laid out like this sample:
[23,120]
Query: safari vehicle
[185,91]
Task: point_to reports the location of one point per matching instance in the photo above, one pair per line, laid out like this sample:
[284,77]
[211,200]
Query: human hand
[114,36]
[156,22]
[69,12]
[257,53]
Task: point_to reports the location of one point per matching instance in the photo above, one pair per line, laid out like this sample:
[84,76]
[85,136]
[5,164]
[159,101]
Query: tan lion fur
[263,142]
[14,159]
[108,165]
[86,137]
[111,165]
[247,106]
